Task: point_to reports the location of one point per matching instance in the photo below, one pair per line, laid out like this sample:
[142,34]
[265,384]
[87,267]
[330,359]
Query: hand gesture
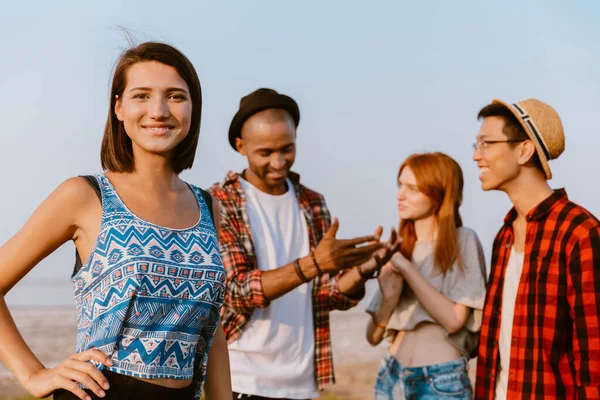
[399,261]
[75,369]
[391,283]
[383,255]
[334,254]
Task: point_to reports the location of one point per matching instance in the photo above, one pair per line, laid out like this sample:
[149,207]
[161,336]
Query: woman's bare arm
[218,375]
[391,284]
[57,220]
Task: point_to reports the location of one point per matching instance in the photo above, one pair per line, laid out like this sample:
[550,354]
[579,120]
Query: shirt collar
[542,209]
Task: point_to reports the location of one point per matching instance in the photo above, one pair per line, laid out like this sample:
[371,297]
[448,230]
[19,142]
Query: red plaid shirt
[244,288]
[555,352]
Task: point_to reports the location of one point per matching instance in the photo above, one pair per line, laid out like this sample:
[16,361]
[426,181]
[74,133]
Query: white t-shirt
[274,357]
[512,276]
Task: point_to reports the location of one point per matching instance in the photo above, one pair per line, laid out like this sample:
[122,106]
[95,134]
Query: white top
[512,276]
[274,357]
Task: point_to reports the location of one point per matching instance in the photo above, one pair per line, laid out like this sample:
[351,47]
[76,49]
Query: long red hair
[440,178]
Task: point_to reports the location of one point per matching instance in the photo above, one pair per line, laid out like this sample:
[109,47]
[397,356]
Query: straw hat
[542,124]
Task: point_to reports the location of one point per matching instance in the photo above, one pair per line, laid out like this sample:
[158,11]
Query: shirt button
[507,245]
[514,340]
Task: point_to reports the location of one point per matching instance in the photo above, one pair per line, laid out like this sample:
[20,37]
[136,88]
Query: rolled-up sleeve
[330,297]
[244,285]
[583,295]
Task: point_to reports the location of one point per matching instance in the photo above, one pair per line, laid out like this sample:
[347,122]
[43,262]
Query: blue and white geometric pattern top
[149,296]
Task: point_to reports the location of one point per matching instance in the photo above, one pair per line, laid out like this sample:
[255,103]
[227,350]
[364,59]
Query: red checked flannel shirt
[244,288]
[555,352]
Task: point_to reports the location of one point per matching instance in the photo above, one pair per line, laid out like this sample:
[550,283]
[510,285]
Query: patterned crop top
[149,296]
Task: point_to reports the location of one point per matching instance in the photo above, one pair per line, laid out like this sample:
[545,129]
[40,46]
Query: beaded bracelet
[314,259]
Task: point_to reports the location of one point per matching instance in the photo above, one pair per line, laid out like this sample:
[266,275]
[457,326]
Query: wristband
[299,270]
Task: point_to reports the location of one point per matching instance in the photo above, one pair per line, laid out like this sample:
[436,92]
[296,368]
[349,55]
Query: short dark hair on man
[272,115]
[512,128]
[116,152]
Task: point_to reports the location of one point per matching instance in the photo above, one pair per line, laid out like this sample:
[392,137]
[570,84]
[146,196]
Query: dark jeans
[241,396]
[124,387]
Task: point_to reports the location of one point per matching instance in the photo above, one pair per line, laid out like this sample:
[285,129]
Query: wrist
[404,267]
[26,379]
[307,268]
[388,303]
[378,321]
[374,264]
[365,276]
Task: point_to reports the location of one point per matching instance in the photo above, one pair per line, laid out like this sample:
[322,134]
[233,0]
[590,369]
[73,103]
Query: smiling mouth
[157,129]
[277,175]
[483,171]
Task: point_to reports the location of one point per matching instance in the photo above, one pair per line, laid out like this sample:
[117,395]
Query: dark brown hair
[116,153]
[513,130]
[440,178]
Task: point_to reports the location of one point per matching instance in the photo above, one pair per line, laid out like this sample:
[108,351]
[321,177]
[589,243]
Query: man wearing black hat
[286,270]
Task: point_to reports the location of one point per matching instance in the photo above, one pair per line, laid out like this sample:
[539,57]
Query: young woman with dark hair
[149,281]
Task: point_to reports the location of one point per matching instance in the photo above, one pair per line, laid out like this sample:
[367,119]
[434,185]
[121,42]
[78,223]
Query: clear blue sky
[375,82]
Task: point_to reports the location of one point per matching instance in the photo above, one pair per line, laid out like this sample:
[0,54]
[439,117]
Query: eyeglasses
[482,145]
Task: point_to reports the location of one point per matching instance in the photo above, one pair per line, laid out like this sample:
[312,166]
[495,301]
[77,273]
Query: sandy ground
[50,332]
[355,360]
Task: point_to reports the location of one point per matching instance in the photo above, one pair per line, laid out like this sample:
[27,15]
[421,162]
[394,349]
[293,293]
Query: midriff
[425,345]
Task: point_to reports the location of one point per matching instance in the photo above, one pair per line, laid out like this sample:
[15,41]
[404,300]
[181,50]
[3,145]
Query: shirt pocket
[550,279]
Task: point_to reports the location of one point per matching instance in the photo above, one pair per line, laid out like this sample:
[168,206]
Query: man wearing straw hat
[286,270]
[540,337]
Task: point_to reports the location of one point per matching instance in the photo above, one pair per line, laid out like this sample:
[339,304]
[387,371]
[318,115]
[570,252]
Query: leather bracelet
[299,270]
[314,259]
[363,275]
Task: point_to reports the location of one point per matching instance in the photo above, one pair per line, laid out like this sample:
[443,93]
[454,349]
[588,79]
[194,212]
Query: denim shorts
[449,380]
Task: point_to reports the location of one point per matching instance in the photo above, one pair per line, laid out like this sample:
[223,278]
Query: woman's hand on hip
[75,369]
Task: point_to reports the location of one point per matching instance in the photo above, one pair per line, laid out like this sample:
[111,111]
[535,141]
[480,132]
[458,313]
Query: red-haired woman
[149,282]
[432,290]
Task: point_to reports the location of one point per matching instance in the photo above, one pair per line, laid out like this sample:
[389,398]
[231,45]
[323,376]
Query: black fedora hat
[257,101]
